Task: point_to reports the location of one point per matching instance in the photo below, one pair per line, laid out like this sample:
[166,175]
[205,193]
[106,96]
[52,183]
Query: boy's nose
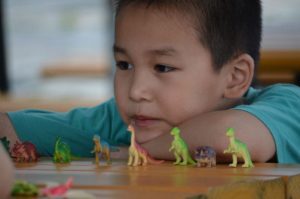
[140,88]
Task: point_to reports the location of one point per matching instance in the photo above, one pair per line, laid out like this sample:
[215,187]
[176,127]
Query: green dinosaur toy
[24,189]
[181,150]
[62,152]
[237,149]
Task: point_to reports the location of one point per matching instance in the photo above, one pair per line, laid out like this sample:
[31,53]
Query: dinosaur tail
[114,149]
[57,142]
[191,161]
[69,182]
[75,157]
[154,161]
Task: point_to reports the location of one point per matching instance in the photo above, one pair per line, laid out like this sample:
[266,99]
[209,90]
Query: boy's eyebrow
[117,49]
[165,51]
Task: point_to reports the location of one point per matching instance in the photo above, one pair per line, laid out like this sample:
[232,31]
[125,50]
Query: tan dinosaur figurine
[137,154]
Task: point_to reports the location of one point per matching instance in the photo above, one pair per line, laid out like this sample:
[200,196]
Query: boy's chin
[143,135]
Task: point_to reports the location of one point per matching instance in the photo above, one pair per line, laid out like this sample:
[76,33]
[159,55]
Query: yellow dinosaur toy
[101,148]
[137,154]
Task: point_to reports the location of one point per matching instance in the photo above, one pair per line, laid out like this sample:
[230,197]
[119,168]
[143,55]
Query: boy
[182,63]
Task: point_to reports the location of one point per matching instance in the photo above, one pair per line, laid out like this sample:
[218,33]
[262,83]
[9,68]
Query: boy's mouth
[143,121]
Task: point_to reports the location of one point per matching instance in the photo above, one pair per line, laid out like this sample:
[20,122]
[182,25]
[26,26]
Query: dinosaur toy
[24,189]
[24,152]
[205,156]
[137,154]
[102,148]
[181,151]
[58,191]
[237,149]
[62,152]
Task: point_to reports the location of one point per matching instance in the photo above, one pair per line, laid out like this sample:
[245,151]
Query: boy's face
[164,75]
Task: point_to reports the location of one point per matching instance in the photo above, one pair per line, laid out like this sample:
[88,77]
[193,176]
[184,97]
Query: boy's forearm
[210,130]
[196,132]
[6,129]
[7,174]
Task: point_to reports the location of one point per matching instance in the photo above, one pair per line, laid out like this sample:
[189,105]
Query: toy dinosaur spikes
[237,149]
[24,152]
[62,152]
[137,154]
[180,148]
[205,156]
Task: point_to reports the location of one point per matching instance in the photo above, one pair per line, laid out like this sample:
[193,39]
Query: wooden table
[152,181]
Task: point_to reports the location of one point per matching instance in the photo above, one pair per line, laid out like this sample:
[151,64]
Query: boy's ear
[239,76]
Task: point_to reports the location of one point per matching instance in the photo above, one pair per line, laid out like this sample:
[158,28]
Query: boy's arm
[76,127]
[7,173]
[7,130]
[210,129]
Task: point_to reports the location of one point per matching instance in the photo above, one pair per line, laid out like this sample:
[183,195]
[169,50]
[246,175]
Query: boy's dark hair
[227,28]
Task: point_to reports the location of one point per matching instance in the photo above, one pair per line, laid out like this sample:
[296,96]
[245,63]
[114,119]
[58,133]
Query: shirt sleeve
[278,108]
[76,127]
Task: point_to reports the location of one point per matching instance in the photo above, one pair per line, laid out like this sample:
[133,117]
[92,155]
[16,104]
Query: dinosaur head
[96,138]
[230,132]
[130,128]
[175,131]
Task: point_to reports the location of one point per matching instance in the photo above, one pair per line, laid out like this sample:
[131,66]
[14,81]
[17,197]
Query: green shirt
[278,108]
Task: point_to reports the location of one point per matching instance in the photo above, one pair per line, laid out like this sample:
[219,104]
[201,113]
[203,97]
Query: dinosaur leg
[184,159]
[136,159]
[96,158]
[247,160]
[214,162]
[178,158]
[108,156]
[234,161]
[130,159]
[144,160]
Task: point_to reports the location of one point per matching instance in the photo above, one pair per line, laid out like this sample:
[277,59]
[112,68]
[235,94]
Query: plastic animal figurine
[58,191]
[62,152]
[101,148]
[237,149]
[180,148]
[24,152]
[137,154]
[205,156]
[24,189]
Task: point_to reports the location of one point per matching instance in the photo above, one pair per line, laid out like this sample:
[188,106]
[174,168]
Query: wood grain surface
[152,181]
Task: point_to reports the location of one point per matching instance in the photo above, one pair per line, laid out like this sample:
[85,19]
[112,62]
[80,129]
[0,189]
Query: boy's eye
[123,65]
[163,68]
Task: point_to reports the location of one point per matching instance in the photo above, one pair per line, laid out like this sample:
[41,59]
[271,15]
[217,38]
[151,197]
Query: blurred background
[57,54]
